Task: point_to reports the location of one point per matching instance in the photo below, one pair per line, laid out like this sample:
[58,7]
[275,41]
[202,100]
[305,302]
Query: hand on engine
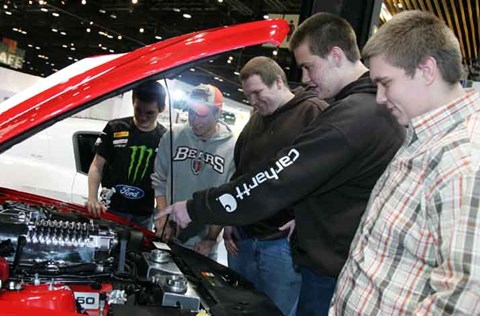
[95,208]
[178,213]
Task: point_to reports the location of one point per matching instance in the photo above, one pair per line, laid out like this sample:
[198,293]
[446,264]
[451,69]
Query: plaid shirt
[417,249]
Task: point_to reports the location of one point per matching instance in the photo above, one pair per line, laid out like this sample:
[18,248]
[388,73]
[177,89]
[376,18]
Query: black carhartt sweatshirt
[325,176]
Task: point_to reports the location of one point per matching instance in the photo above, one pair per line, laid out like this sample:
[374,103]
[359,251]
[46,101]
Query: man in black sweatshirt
[261,252]
[326,175]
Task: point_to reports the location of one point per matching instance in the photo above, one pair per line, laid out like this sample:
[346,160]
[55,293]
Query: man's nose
[305,76]
[381,97]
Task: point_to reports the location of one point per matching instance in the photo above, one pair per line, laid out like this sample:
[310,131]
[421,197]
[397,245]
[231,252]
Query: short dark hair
[150,91]
[411,36]
[323,31]
[267,68]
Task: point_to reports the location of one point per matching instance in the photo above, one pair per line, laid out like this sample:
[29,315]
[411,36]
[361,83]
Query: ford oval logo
[129,192]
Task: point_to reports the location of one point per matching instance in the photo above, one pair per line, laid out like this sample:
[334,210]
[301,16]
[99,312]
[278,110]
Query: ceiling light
[65,46]
[229,61]
[70,58]
[5,6]
[141,30]
[88,30]
[134,1]
[8,13]
[44,9]
[72,44]
[158,37]
[91,22]
[111,51]
[72,48]
[102,11]
[275,52]
[84,2]
[30,2]
[99,45]
[176,10]
[220,1]
[54,30]
[266,17]
[236,73]
[55,14]
[63,33]
[41,2]
[113,16]
[30,45]
[119,37]
[240,89]
[192,69]
[187,16]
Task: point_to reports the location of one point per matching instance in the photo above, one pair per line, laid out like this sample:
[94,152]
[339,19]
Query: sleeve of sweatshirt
[297,171]
[161,166]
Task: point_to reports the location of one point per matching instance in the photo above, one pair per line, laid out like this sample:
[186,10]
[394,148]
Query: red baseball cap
[203,98]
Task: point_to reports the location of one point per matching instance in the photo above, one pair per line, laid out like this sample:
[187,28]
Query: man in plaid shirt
[417,250]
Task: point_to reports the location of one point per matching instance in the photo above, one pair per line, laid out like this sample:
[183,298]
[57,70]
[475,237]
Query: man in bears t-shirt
[124,157]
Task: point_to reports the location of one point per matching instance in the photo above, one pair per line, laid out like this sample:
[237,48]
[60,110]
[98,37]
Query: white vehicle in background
[53,163]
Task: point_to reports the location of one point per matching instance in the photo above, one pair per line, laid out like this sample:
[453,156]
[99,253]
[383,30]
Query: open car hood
[55,259]
[24,116]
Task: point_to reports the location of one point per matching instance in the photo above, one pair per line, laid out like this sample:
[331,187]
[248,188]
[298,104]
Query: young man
[202,157]
[327,174]
[416,251]
[123,162]
[262,252]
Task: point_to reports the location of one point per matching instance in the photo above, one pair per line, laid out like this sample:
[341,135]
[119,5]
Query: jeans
[145,221]
[315,294]
[268,265]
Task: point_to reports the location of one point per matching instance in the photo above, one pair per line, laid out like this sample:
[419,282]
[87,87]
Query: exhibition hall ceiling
[55,33]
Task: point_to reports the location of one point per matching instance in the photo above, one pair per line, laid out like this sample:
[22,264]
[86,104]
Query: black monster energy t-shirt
[130,154]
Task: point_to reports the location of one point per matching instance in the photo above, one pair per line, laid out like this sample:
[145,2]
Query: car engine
[57,259]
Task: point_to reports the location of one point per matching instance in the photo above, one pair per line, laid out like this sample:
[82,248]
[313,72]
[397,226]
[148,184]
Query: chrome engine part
[75,240]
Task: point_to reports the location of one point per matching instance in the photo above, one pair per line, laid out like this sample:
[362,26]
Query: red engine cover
[59,298]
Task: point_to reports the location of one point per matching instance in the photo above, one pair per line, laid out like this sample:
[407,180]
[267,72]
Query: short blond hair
[411,36]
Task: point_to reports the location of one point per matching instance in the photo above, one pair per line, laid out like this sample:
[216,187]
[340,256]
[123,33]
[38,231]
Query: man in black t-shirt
[124,157]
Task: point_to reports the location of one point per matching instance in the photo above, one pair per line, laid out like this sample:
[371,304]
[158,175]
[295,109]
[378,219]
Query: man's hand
[95,208]
[205,246]
[229,235]
[164,230]
[290,226]
[178,213]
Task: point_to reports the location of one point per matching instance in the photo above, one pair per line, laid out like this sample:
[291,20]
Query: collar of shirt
[425,126]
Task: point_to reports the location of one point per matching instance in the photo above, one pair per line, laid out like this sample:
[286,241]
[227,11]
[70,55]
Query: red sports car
[57,260]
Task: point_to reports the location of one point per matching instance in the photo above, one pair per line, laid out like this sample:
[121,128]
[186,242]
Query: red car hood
[75,93]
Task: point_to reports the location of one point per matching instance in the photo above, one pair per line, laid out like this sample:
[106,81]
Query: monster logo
[141,156]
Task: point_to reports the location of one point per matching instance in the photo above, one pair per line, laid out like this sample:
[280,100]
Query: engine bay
[53,257]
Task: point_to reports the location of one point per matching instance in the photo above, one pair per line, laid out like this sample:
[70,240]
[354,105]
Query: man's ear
[428,69]
[336,56]
[279,82]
